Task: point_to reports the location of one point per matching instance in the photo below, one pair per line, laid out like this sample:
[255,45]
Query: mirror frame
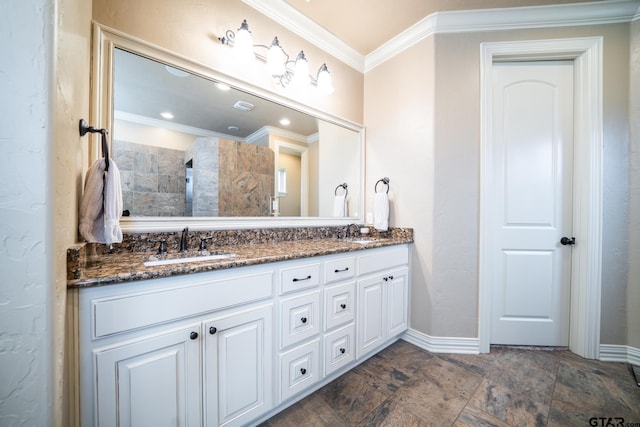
[105,40]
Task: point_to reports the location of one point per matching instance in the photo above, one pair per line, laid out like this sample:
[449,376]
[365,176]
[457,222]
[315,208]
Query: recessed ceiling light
[166,115]
[285,122]
[222,86]
[233,128]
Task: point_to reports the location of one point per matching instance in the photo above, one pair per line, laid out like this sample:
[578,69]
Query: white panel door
[533,167]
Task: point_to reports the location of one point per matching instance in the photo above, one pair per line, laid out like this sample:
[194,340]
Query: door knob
[568,241]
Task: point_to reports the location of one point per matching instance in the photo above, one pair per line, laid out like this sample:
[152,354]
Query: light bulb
[324,81]
[301,71]
[244,43]
[276,59]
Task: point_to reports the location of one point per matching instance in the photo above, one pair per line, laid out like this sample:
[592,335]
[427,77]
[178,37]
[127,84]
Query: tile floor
[406,386]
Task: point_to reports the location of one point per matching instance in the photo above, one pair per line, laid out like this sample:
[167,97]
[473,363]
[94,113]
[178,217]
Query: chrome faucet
[348,232]
[183,239]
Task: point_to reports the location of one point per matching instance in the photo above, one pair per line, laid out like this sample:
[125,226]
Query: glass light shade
[324,81]
[276,59]
[301,71]
[243,43]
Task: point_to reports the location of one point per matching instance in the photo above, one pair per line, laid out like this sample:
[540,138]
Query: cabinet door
[371,323]
[153,381]
[396,301]
[238,367]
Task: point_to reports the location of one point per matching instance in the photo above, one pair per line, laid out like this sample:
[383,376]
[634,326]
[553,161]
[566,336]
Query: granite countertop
[97,269]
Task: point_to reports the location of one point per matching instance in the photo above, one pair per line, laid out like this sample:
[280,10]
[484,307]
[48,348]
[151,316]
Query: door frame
[586,53]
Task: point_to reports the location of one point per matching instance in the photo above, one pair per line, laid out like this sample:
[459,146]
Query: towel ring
[385,181]
[344,186]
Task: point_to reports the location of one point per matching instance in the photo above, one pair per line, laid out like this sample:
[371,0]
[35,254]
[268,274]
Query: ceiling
[365,25]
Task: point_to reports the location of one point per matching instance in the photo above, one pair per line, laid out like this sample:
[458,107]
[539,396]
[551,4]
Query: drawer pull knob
[193,335]
[303,371]
[342,350]
[343,306]
[341,270]
[213,330]
[303,319]
[295,279]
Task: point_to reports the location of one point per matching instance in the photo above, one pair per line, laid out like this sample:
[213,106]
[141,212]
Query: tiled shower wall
[153,178]
[246,178]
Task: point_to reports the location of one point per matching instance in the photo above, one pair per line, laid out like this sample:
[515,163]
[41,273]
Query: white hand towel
[340,206]
[381,211]
[101,205]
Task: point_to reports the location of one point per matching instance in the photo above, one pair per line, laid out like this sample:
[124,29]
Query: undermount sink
[155,260]
[363,241]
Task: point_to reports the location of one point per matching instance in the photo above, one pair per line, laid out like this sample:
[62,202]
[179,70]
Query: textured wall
[25,205]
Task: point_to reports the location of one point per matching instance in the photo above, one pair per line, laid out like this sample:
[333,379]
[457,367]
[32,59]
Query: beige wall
[192,29]
[633,283]
[399,121]
[440,197]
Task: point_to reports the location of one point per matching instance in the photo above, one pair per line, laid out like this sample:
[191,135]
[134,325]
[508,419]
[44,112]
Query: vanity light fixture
[279,65]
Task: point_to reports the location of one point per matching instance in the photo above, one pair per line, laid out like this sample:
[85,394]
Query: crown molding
[274,131]
[293,20]
[562,15]
[149,121]
[465,21]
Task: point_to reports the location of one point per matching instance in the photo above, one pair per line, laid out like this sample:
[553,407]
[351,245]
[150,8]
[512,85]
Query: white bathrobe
[101,206]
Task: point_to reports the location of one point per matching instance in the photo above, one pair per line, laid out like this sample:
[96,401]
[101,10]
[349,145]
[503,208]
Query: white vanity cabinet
[383,289]
[183,351]
[233,347]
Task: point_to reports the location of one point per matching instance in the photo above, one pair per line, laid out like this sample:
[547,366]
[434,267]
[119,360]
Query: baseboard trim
[442,344]
[619,353]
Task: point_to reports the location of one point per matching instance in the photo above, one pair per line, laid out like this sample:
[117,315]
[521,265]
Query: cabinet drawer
[299,369]
[339,349]
[340,269]
[339,304]
[298,278]
[299,318]
[382,259]
[123,313]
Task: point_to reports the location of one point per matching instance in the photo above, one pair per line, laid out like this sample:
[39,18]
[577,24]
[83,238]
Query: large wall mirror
[200,149]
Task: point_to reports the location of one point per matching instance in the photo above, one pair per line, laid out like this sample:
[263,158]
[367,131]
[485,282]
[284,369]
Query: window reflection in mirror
[188,147]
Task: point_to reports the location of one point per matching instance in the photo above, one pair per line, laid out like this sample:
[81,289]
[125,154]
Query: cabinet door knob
[385,278]
[303,319]
[303,371]
[213,330]
[390,277]
[342,350]
[193,335]
[343,306]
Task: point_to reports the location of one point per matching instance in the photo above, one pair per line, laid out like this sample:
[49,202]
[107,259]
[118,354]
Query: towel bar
[84,127]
